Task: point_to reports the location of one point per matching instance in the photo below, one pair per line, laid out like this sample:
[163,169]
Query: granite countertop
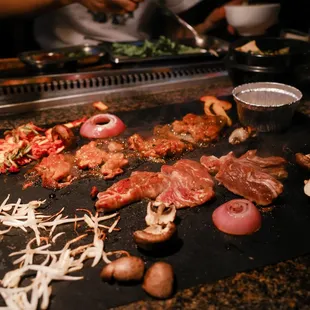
[285,285]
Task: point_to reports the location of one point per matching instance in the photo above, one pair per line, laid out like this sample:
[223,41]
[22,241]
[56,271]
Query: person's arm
[180,6]
[20,7]
[214,17]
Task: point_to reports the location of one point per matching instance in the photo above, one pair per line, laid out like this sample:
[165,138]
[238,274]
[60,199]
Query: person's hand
[210,22]
[110,6]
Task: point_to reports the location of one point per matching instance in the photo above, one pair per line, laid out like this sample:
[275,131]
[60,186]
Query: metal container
[215,49]
[45,60]
[266,106]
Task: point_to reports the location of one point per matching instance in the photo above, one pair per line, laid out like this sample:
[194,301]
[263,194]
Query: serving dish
[253,19]
[59,58]
[291,67]
[266,106]
[215,49]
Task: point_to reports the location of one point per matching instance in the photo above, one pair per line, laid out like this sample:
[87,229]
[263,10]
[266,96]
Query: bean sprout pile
[39,258]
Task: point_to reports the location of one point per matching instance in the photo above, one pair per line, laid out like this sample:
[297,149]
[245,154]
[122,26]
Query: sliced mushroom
[219,110]
[307,187]
[214,106]
[155,236]
[303,160]
[158,280]
[124,269]
[159,214]
[241,134]
[65,134]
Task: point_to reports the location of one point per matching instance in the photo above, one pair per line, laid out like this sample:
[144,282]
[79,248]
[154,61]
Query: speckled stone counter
[285,285]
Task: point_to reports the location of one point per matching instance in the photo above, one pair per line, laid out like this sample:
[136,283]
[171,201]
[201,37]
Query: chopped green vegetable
[161,47]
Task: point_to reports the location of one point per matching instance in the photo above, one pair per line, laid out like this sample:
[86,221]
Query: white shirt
[70,25]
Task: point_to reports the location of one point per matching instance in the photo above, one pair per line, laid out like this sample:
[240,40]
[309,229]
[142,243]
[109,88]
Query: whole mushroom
[158,280]
[124,269]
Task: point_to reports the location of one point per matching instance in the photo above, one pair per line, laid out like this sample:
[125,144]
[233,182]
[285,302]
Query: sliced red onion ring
[93,130]
[237,217]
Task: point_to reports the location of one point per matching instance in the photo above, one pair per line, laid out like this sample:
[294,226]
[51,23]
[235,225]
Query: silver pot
[266,106]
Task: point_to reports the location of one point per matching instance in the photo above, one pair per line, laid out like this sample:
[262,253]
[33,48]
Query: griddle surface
[203,254]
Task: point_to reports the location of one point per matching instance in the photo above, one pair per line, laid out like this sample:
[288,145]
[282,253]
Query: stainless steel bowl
[266,106]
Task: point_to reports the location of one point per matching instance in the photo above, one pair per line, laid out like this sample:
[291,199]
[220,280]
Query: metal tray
[219,46]
[58,58]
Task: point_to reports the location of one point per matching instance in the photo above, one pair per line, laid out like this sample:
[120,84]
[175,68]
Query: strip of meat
[185,184]
[247,178]
[190,185]
[90,156]
[263,162]
[55,170]
[211,163]
[139,185]
[157,147]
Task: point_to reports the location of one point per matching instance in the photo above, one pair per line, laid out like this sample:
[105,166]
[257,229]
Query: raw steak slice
[273,165]
[139,185]
[185,184]
[190,185]
[249,176]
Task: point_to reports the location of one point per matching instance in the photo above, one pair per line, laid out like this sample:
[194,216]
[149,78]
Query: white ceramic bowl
[252,20]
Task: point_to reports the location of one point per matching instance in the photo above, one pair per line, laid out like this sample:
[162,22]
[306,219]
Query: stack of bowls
[292,68]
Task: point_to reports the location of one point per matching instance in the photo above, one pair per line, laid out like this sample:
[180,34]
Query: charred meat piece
[90,156]
[115,146]
[113,166]
[139,185]
[190,185]
[56,171]
[185,184]
[193,128]
[157,147]
[249,179]
[303,160]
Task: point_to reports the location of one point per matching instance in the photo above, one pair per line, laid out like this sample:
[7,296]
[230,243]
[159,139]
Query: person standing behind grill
[64,23]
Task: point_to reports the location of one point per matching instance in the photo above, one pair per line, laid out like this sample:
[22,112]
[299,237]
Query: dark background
[16,33]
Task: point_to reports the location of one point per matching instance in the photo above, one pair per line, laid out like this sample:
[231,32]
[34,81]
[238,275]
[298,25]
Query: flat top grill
[49,86]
